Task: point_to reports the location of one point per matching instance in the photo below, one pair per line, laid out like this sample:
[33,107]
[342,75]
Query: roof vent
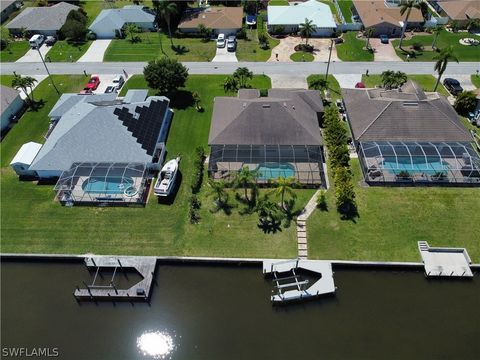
[411,103]
[284,104]
[266,106]
[293,107]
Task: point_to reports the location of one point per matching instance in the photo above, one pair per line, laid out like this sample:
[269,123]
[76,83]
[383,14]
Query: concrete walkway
[32,55]
[348,81]
[289,81]
[96,51]
[302,243]
[223,55]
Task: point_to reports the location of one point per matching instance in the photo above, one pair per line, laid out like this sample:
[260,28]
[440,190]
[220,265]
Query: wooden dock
[447,262]
[301,290]
[141,291]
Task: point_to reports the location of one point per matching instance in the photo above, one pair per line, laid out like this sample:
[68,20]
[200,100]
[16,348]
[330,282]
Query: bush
[242,34]
[322,201]
[165,75]
[344,193]
[75,27]
[263,92]
[304,47]
[417,46]
[198,169]
[465,102]
[91,36]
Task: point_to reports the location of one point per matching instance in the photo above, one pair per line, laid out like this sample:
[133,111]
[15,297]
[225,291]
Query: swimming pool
[275,170]
[101,185]
[415,165]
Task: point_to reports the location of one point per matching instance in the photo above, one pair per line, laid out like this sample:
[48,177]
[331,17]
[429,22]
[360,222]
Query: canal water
[216,312]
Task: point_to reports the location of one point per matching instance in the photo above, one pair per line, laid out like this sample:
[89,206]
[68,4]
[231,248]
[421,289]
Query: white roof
[319,13]
[27,153]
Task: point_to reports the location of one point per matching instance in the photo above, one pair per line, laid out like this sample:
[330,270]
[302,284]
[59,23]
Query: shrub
[418,46]
[75,27]
[242,34]
[198,169]
[465,102]
[344,193]
[304,47]
[165,74]
[91,36]
[322,201]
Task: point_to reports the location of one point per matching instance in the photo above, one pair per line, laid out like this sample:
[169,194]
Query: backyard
[250,50]
[391,221]
[352,49]
[33,222]
[445,38]
[427,82]
[346,8]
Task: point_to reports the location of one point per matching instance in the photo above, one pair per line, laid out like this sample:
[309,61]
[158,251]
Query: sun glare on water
[156,344]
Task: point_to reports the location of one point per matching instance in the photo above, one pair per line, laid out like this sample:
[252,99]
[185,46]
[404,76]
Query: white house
[24,158]
[11,104]
[289,18]
[109,23]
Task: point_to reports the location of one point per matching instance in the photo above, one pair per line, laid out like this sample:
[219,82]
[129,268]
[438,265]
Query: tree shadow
[349,212]
[35,105]
[249,204]
[270,226]
[180,49]
[223,206]
[181,99]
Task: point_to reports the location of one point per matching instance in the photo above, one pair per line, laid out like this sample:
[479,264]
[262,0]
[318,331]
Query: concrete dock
[448,262]
[145,266]
[301,290]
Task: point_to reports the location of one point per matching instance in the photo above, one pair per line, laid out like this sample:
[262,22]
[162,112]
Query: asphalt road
[270,68]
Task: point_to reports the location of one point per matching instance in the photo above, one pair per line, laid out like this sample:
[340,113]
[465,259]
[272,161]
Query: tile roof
[461,9]
[213,17]
[374,12]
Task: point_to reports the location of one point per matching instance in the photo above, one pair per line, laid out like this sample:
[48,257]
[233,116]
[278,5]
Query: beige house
[226,20]
[461,11]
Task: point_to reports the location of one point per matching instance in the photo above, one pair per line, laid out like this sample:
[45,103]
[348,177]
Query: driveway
[348,81]
[105,81]
[32,55]
[288,81]
[287,47]
[223,55]
[384,52]
[96,51]
[464,80]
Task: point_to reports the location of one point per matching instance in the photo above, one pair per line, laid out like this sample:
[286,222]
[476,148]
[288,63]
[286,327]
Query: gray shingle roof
[286,119]
[7,95]
[42,18]
[67,101]
[405,115]
[116,18]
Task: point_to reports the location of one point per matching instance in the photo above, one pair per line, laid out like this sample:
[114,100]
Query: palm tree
[307,29]
[368,33]
[283,186]
[245,178]
[24,83]
[319,84]
[242,74]
[267,211]
[164,10]
[437,32]
[230,84]
[407,7]
[131,30]
[218,189]
[441,63]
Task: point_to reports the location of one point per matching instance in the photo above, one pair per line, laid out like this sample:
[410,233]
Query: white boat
[166,179]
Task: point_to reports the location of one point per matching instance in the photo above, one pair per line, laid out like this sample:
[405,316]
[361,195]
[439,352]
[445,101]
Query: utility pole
[48,72]
[329,57]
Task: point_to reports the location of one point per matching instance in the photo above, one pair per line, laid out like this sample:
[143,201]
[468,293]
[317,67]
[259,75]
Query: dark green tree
[242,74]
[165,75]
[465,102]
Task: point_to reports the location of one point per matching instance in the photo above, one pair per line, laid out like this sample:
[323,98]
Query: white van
[36,41]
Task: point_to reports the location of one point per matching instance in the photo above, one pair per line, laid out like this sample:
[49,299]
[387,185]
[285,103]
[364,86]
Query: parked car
[221,41]
[50,40]
[93,83]
[453,86]
[231,43]
[36,41]
[111,89]
[383,39]
[360,85]
[118,81]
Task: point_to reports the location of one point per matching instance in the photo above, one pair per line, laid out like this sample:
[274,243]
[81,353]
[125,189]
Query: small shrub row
[198,169]
[193,210]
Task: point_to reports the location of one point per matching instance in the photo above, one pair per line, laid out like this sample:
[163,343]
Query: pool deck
[140,291]
[324,285]
[445,262]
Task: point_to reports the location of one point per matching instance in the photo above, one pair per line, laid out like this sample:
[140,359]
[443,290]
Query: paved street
[300,69]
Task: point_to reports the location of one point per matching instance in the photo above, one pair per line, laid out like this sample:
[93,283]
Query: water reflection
[156,344]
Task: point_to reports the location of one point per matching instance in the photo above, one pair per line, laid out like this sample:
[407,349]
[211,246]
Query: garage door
[325,32]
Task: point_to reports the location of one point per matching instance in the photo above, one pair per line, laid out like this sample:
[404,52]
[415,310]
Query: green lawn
[464,53]
[14,51]
[33,222]
[250,50]
[333,85]
[300,56]
[476,81]
[427,82]
[391,221]
[278,3]
[6,80]
[64,51]
[346,8]
[150,47]
[352,48]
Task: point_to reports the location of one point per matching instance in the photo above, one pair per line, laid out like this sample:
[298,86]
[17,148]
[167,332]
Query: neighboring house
[109,23]
[24,158]
[461,11]
[384,18]
[11,104]
[407,136]
[226,20]
[288,18]
[7,7]
[41,20]
[278,135]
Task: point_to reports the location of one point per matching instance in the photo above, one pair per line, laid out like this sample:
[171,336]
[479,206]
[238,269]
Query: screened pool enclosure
[106,183]
[304,162]
[435,162]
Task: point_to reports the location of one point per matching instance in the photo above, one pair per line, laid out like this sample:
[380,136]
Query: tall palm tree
[218,189]
[407,7]
[441,63]
[24,83]
[282,187]
[437,32]
[164,10]
[368,33]
[242,74]
[230,84]
[307,29]
[319,84]
[245,178]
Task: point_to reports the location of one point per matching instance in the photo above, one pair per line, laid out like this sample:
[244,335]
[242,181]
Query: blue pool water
[416,165]
[100,185]
[275,170]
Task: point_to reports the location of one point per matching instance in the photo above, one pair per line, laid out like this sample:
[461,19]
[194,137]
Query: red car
[93,83]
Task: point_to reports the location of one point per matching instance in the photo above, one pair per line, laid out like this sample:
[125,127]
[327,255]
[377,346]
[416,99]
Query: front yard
[475,81]
[463,52]
[14,51]
[352,49]
[427,82]
[333,86]
[63,51]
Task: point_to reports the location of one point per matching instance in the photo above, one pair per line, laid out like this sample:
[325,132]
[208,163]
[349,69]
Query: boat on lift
[166,179]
